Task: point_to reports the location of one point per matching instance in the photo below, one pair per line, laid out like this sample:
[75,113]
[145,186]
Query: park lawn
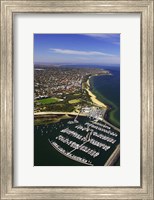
[73,101]
[77,94]
[48,100]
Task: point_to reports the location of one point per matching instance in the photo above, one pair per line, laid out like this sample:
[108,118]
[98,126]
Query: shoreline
[107,106]
[92,96]
[47,114]
[93,99]
[58,113]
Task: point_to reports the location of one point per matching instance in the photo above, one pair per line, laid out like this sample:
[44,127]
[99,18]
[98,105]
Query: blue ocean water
[107,90]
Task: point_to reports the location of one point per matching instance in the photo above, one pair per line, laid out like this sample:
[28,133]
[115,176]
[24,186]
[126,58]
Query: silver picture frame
[8,10]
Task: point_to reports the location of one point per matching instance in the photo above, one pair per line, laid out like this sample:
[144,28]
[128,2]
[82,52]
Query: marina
[81,139]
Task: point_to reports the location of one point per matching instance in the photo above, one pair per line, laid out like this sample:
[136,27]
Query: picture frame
[145,9]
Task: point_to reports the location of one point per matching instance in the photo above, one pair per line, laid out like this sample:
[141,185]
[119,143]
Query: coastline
[94,100]
[111,108]
[93,97]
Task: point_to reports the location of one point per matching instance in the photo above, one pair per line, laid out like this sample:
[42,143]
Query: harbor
[86,140]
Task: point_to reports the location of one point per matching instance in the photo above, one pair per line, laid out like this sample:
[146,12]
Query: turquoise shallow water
[107,90]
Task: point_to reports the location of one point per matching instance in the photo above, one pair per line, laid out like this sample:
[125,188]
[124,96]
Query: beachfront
[93,97]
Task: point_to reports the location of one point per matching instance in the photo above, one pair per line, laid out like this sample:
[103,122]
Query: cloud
[77,52]
[117,43]
[111,38]
[104,35]
[97,35]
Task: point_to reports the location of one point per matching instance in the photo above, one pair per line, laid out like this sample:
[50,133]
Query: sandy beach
[93,97]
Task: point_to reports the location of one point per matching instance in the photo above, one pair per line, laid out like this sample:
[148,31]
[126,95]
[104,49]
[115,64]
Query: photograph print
[77,99]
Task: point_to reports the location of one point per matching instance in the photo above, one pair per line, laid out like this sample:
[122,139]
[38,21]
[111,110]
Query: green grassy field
[48,101]
[73,101]
[65,103]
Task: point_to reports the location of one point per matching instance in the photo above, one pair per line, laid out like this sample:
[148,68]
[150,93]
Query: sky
[101,49]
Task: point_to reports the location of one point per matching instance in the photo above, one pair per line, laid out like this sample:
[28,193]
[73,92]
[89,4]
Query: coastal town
[60,81]
[64,88]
